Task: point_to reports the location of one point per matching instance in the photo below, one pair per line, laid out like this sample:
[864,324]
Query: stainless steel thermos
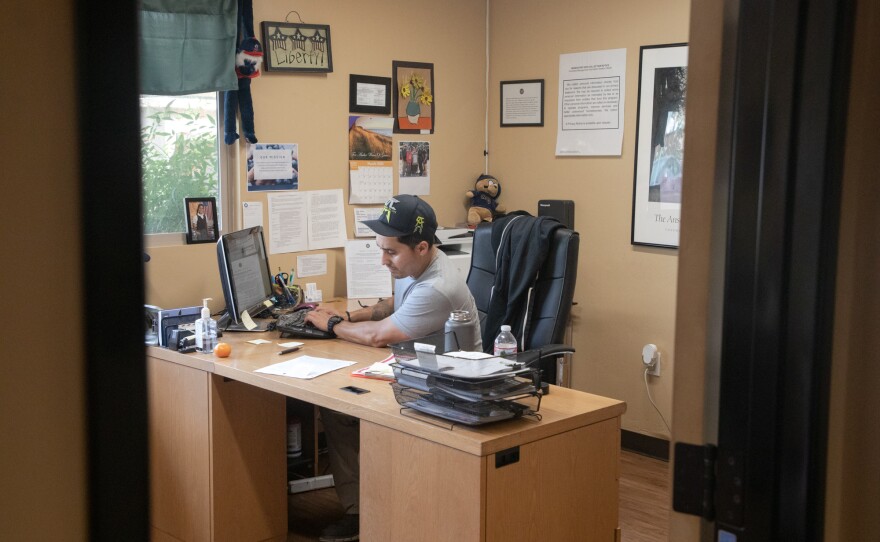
[459,331]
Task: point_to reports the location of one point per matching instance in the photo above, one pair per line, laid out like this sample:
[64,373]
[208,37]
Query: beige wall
[853,489]
[312,110]
[694,273]
[625,295]
[42,397]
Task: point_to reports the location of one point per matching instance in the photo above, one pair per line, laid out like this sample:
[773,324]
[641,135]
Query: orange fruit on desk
[222,350]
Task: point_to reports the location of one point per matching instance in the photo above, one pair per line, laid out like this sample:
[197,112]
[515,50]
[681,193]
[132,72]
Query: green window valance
[187,46]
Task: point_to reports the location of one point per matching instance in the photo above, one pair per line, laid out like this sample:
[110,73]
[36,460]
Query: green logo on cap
[389,208]
[420,223]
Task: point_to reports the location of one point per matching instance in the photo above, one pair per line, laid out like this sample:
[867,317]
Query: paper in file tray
[524,383]
[462,387]
[428,355]
[457,410]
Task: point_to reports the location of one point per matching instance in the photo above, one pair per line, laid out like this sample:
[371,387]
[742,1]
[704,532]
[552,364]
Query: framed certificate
[522,103]
[367,94]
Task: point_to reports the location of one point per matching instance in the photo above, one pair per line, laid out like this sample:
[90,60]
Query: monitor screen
[244,273]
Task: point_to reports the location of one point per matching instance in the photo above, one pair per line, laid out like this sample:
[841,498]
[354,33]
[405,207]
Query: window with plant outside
[179,157]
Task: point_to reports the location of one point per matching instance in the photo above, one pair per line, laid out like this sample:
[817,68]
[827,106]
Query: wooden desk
[217,443]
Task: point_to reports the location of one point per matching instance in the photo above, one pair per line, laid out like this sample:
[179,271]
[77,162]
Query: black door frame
[782,145]
[112,255]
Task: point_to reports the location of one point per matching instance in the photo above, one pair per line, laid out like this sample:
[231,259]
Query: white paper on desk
[365,274]
[365,213]
[288,222]
[311,265]
[305,367]
[326,219]
[252,214]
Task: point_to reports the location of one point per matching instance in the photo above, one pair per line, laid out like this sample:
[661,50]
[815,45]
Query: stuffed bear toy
[483,205]
[249,54]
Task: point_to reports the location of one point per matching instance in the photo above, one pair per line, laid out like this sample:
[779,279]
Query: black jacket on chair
[520,244]
[505,266]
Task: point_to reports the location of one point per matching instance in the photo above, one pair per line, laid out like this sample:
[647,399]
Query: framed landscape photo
[201,220]
[368,94]
[296,47]
[659,153]
[522,103]
[414,97]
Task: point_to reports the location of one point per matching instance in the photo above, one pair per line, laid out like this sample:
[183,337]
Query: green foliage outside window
[179,160]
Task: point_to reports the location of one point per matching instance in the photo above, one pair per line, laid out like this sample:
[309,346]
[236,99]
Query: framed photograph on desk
[201,220]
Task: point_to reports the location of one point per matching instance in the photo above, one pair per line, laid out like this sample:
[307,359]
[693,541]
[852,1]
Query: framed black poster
[659,153]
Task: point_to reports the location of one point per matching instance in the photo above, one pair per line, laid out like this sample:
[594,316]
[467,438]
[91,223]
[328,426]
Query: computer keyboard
[294,324]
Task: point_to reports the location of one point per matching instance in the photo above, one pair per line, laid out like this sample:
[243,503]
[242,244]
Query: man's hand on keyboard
[321,315]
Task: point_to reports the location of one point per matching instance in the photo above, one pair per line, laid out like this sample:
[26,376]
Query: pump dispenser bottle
[206,330]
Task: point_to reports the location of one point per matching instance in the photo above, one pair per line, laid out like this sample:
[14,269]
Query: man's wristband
[331,323]
[348,314]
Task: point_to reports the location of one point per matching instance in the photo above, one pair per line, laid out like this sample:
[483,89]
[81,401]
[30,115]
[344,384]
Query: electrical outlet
[651,359]
[654,369]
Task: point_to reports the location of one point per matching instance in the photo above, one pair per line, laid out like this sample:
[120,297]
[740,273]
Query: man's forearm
[382,310]
[374,313]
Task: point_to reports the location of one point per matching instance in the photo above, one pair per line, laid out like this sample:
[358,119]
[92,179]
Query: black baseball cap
[404,215]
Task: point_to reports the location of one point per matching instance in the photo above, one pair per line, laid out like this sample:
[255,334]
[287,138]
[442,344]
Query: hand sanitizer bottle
[206,330]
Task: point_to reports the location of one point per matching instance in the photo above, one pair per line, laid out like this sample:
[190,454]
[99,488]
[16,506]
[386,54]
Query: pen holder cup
[296,293]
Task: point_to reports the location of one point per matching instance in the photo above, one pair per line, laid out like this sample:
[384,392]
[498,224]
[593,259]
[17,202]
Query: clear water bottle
[505,342]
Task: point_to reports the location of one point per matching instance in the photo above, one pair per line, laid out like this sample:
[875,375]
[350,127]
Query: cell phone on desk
[355,390]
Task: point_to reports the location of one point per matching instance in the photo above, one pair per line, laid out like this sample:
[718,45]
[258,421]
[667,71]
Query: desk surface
[561,410]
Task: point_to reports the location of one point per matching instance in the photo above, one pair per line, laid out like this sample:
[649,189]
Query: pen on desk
[288,350]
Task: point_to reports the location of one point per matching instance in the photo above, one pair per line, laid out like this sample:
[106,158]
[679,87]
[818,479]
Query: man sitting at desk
[427,287]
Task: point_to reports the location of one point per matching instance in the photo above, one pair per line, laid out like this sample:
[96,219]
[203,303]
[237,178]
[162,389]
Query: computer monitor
[244,274]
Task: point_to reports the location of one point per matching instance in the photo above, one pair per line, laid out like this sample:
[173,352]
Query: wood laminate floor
[644,498]
[644,503]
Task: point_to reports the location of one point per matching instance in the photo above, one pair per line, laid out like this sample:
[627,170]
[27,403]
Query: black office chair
[539,318]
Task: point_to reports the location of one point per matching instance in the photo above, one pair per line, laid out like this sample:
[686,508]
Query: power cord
[647,389]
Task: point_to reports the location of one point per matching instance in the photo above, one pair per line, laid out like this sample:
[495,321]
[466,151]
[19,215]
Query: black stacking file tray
[466,391]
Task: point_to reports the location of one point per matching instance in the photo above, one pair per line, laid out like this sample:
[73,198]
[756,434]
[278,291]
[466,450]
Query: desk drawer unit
[562,487]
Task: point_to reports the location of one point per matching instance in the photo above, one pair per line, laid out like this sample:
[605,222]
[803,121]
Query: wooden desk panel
[418,481]
[416,490]
[249,462]
[180,448]
[564,487]
[564,409]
